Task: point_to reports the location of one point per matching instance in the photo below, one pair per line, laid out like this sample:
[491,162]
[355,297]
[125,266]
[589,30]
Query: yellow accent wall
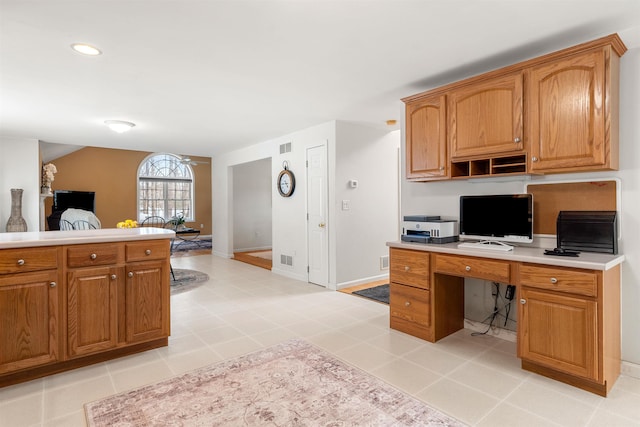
[112,175]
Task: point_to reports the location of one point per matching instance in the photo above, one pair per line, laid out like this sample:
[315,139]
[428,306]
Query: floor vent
[384,262]
[286,259]
[285,148]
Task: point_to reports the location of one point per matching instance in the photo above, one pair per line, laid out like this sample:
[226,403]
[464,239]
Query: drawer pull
[523,301]
[407,303]
[554,280]
[147,252]
[114,277]
[468,268]
[130,274]
[20,262]
[516,140]
[406,268]
[53,284]
[93,256]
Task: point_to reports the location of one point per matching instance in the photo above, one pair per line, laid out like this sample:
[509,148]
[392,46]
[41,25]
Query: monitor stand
[487,244]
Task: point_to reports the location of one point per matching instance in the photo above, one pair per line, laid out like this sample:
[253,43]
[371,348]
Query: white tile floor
[244,308]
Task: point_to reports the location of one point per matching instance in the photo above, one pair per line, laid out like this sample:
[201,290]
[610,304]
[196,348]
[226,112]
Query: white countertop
[75,237]
[586,260]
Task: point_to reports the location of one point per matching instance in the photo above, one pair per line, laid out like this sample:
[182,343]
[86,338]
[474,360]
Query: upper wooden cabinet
[486,118]
[570,113]
[552,114]
[427,138]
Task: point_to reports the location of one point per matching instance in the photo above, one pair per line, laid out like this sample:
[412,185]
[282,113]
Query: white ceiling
[204,77]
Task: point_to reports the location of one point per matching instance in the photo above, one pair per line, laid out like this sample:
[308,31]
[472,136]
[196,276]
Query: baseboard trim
[361,281]
[630,369]
[497,332]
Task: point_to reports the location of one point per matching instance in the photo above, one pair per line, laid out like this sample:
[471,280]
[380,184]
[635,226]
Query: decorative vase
[16,222]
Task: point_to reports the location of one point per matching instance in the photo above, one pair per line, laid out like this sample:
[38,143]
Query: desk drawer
[28,259]
[410,304]
[147,250]
[94,254]
[480,268]
[409,267]
[580,282]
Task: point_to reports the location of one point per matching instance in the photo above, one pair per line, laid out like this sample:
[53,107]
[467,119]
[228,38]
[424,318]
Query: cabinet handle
[114,277]
[407,304]
[407,268]
[53,284]
[130,274]
[20,262]
[93,256]
[516,140]
[534,159]
[148,252]
[554,280]
[523,301]
[468,268]
[441,168]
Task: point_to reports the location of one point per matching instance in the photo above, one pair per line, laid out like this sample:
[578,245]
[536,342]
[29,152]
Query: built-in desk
[568,308]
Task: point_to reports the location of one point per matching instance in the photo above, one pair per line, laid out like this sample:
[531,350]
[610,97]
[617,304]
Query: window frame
[175,161]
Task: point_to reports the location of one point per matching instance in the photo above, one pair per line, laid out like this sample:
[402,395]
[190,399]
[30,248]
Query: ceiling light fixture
[119,125]
[86,49]
[391,122]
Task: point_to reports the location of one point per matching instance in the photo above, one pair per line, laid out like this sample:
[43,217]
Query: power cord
[506,306]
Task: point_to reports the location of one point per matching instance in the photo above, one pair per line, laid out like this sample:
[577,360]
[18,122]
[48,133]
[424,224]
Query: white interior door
[317,215]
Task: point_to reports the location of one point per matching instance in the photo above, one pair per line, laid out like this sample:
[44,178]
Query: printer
[429,229]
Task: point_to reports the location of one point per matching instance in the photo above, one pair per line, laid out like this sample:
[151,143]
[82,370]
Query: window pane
[165,187]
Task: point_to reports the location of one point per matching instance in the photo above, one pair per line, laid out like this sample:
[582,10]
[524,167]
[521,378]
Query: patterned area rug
[290,384]
[187,280]
[378,293]
[189,245]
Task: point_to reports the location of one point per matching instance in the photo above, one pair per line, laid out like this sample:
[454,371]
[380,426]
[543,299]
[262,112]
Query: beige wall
[112,174]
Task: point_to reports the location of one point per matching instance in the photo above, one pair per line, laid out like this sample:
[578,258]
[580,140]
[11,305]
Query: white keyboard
[492,246]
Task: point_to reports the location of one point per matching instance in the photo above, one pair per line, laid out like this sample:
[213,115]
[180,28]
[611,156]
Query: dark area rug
[189,245]
[378,293]
[187,280]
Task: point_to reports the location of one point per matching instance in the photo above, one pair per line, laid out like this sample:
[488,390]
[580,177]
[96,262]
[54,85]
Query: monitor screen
[503,217]
[65,199]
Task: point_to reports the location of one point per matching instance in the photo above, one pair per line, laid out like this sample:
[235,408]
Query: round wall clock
[286,181]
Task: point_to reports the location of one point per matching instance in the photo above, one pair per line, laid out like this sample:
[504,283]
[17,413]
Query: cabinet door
[426,138]
[29,319]
[566,101]
[147,301]
[92,310]
[486,118]
[558,331]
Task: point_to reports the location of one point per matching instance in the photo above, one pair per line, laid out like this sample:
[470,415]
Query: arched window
[165,187]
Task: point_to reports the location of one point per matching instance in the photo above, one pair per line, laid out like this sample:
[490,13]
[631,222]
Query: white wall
[370,156]
[20,168]
[356,238]
[289,214]
[252,206]
[441,198]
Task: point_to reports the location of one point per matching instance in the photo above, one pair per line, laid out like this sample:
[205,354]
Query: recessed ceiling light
[86,49]
[119,125]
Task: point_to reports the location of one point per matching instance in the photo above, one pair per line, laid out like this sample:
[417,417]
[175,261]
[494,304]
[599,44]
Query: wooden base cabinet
[569,325]
[106,300]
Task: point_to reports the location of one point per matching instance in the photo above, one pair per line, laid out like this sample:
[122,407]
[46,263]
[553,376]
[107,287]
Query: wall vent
[286,260]
[384,262]
[285,148]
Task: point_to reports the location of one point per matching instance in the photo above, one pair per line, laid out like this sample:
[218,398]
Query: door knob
[322,225]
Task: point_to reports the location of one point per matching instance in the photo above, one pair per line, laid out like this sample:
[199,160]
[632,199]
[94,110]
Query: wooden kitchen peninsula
[568,308]
[72,298]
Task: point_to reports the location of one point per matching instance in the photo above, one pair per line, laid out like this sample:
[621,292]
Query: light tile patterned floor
[244,308]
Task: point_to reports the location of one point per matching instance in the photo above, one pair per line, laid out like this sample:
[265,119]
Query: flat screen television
[65,199]
[498,218]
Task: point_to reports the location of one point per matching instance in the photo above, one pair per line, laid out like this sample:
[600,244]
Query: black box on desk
[589,231]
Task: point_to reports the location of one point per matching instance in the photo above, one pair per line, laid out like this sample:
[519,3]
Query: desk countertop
[586,260]
[75,237]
